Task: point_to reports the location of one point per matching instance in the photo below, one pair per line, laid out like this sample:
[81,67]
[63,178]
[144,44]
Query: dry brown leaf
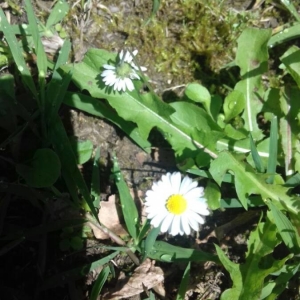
[109,216]
[145,276]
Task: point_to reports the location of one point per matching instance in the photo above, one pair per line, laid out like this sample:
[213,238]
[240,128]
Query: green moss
[186,40]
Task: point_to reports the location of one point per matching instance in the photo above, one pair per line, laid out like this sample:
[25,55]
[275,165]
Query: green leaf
[247,182]
[233,105]
[187,115]
[291,60]
[76,243]
[286,34]
[292,9]
[72,176]
[274,288]
[252,58]
[150,240]
[289,128]
[273,150]
[42,170]
[184,283]
[82,149]
[198,93]
[256,158]
[248,278]
[99,282]
[213,195]
[95,184]
[165,252]
[97,108]
[76,273]
[128,206]
[57,14]
[17,54]
[146,110]
[38,46]
[285,228]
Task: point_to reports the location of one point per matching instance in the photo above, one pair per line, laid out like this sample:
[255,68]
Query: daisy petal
[165,225]
[185,224]
[175,227]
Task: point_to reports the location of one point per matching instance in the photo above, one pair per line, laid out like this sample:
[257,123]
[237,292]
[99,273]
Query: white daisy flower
[176,205]
[121,75]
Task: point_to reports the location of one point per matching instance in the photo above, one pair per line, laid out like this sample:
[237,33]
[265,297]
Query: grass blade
[285,229]
[290,6]
[273,149]
[76,273]
[17,54]
[150,240]
[57,14]
[95,186]
[129,209]
[72,175]
[97,287]
[184,283]
[256,158]
[39,48]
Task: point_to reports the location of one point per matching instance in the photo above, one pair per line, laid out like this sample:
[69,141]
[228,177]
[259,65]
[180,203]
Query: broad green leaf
[165,252]
[76,243]
[202,159]
[233,105]
[252,58]
[188,115]
[248,278]
[213,195]
[253,201]
[291,60]
[247,182]
[235,134]
[146,110]
[82,149]
[98,108]
[42,170]
[198,93]
[184,283]
[215,106]
[128,206]
[99,282]
[293,181]
[279,284]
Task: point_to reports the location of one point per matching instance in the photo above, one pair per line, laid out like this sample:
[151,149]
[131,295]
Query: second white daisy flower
[176,205]
[120,76]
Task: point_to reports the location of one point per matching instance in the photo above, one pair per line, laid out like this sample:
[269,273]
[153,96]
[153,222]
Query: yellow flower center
[176,204]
